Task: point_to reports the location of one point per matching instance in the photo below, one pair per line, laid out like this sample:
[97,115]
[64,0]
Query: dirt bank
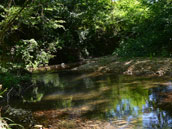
[133,66]
[112,64]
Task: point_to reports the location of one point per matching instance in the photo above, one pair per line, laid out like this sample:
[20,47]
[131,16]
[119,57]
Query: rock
[38,127]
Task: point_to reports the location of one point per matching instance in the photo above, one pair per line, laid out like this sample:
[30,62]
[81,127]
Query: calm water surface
[119,100]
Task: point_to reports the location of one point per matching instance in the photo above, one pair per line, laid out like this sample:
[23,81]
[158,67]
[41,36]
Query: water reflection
[122,101]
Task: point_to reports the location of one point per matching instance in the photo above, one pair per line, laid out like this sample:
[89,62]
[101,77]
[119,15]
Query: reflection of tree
[124,100]
[47,79]
[160,107]
[130,102]
[43,83]
[103,97]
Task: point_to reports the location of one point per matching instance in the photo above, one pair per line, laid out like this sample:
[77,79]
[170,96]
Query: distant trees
[34,32]
[89,29]
[148,25]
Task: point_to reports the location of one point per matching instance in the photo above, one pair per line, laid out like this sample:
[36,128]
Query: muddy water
[70,100]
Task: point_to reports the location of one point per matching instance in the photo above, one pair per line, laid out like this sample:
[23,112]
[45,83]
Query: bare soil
[133,66]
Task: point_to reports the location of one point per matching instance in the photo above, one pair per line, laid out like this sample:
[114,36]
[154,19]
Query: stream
[90,100]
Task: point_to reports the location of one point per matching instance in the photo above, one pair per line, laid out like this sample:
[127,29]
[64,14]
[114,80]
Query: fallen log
[56,68]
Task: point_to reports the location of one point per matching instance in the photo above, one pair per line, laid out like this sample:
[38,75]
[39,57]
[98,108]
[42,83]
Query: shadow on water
[119,100]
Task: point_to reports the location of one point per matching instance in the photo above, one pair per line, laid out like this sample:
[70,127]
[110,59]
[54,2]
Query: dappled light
[137,66]
[85,64]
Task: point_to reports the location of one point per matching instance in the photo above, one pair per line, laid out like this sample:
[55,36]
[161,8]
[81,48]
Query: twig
[8,97]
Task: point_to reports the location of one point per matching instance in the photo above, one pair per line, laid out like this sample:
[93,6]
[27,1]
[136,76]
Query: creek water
[121,101]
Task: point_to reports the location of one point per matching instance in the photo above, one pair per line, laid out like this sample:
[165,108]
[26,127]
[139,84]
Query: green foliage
[34,32]
[87,25]
[149,32]
[9,80]
[35,54]
[2,92]
[31,33]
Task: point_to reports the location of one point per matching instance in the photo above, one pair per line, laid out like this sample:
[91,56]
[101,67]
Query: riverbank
[96,67]
[113,64]
[133,66]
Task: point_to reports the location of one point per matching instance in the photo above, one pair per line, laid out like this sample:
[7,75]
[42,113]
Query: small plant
[3,124]
[4,120]
[2,92]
